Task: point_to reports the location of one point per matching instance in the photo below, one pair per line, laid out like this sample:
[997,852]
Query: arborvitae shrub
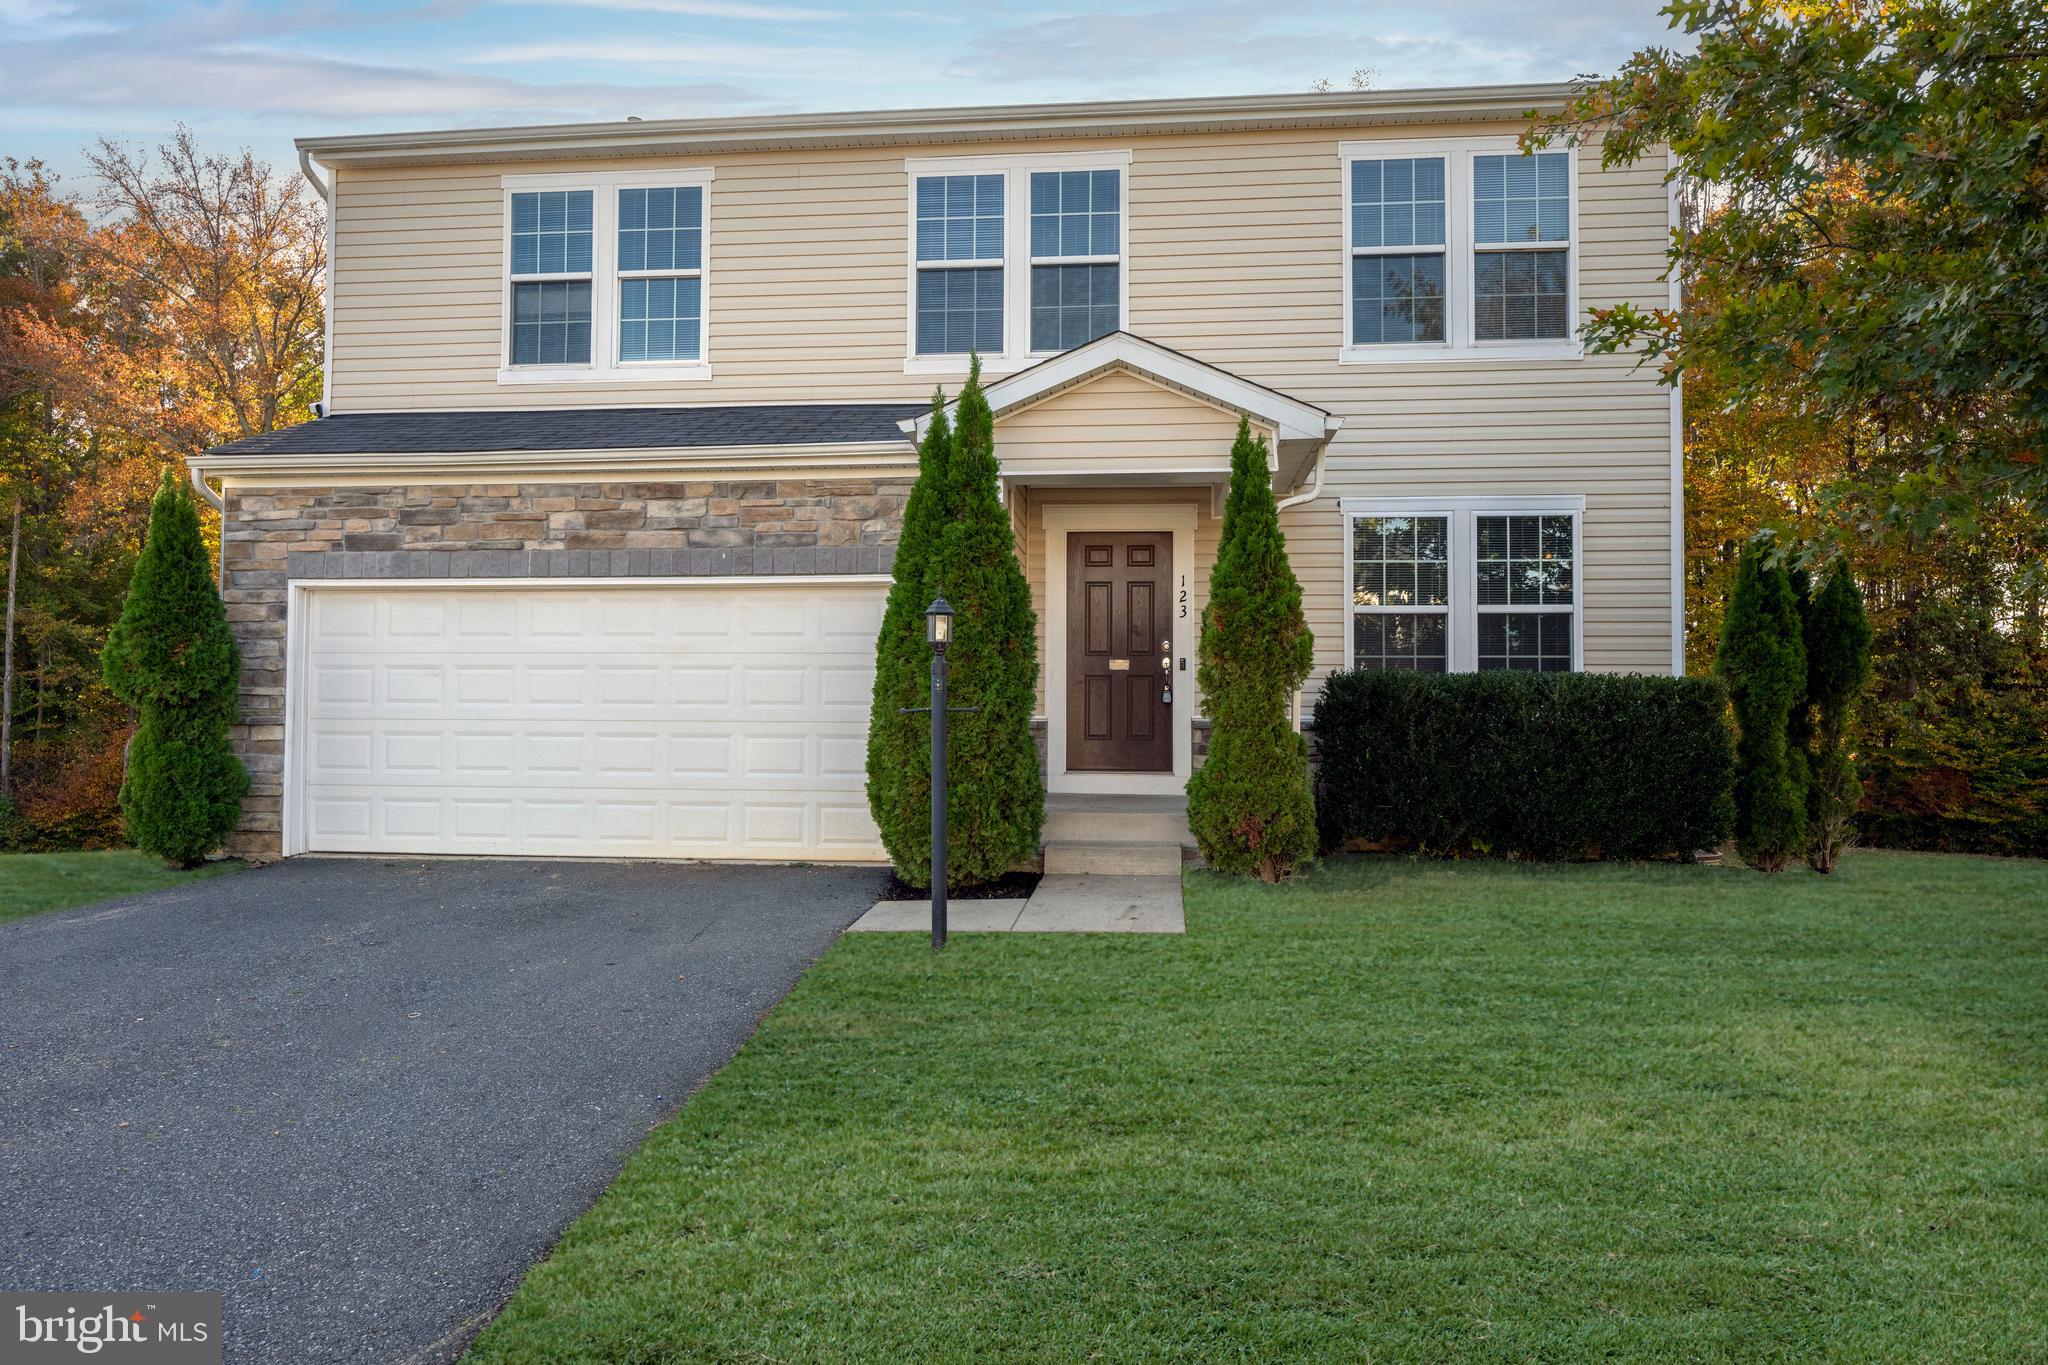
[996,793]
[172,657]
[899,744]
[1837,637]
[1250,806]
[1527,765]
[1762,659]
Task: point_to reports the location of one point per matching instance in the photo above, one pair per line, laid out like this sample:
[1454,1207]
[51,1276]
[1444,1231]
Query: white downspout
[205,490]
[325,189]
[1314,491]
[1315,483]
[219,503]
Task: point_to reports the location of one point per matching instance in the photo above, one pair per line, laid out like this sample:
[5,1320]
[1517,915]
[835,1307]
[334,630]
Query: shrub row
[1545,766]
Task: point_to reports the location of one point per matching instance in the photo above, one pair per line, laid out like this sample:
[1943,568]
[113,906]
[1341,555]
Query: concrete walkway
[1060,905]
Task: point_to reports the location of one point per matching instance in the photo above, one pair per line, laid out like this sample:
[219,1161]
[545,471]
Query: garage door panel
[661,721]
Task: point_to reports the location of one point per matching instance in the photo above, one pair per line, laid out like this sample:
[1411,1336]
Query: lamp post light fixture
[938,633]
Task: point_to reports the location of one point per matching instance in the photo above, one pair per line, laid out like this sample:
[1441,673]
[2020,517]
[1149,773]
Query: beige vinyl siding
[1236,257]
[1118,421]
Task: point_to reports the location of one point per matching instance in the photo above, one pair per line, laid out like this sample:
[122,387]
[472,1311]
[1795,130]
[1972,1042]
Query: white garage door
[659,721]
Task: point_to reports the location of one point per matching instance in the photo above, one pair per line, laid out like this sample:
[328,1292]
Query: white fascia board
[1289,418]
[572,463]
[686,137]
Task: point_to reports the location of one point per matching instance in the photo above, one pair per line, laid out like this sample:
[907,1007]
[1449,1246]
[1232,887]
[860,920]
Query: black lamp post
[938,633]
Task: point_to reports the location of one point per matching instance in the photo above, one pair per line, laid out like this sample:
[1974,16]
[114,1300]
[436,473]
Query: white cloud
[260,82]
[1267,46]
[764,59]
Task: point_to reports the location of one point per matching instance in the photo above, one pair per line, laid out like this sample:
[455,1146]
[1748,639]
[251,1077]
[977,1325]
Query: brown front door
[1119,651]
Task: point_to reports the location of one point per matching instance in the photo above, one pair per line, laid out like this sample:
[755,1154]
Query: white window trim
[1016,172]
[1458,343]
[1462,515]
[605,366]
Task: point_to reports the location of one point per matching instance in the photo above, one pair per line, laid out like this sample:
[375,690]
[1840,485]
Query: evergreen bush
[1547,766]
[1250,805]
[995,805]
[1837,638]
[899,744]
[1762,659]
[172,657]
[957,543]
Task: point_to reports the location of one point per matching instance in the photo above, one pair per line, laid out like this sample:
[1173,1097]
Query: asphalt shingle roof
[431,433]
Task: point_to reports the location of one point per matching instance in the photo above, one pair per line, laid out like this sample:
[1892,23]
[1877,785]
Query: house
[587,553]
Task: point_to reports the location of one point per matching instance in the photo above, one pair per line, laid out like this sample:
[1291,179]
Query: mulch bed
[1009,886]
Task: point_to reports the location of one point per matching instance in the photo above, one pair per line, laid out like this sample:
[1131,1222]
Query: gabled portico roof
[1289,419]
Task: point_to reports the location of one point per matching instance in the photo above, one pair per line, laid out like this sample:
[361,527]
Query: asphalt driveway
[362,1097]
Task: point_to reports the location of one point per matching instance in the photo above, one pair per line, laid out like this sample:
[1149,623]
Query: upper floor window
[1458,248]
[1463,584]
[1076,257]
[661,274]
[1521,234]
[960,264]
[1397,250]
[551,277]
[606,277]
[1013,257]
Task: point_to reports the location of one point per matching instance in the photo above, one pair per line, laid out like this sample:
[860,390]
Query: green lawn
[1395,1111]
[34,882]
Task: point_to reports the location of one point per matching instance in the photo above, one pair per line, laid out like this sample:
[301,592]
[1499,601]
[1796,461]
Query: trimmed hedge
[1529,765]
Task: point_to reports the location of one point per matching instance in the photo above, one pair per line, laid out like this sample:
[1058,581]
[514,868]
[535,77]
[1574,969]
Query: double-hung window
[1521,240]
[960,231]
[1400,591]
[606,277]
[1458,248]
[1076,257]
[1397,250]
[1464,584]
[1013,257]
[551,277]
[661,274]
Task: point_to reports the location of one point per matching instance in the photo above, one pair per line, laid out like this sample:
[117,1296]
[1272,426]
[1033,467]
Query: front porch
[1115,460]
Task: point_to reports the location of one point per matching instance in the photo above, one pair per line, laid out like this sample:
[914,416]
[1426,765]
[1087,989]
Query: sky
[242,73]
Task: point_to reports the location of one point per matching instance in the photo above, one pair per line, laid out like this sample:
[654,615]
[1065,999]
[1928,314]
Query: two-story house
[587,552]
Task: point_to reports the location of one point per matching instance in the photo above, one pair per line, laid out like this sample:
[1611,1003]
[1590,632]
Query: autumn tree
[177,307]
[1863,343]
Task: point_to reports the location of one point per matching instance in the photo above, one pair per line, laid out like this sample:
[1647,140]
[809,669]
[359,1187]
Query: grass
[31,883]
[1392,1111]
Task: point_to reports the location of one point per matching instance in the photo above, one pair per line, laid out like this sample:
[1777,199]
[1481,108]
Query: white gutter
[1102,118]
[413,465]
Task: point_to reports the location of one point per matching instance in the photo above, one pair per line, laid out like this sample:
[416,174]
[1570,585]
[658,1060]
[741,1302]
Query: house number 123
[1183,596]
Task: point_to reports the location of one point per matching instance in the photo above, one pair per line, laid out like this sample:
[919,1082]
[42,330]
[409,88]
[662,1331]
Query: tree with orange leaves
[1864,346]
[187,311]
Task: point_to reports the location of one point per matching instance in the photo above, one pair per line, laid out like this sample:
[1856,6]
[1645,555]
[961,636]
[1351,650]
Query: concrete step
[1121,819]
[1112,858]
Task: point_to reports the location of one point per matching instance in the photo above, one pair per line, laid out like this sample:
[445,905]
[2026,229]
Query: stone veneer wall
[585,530]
